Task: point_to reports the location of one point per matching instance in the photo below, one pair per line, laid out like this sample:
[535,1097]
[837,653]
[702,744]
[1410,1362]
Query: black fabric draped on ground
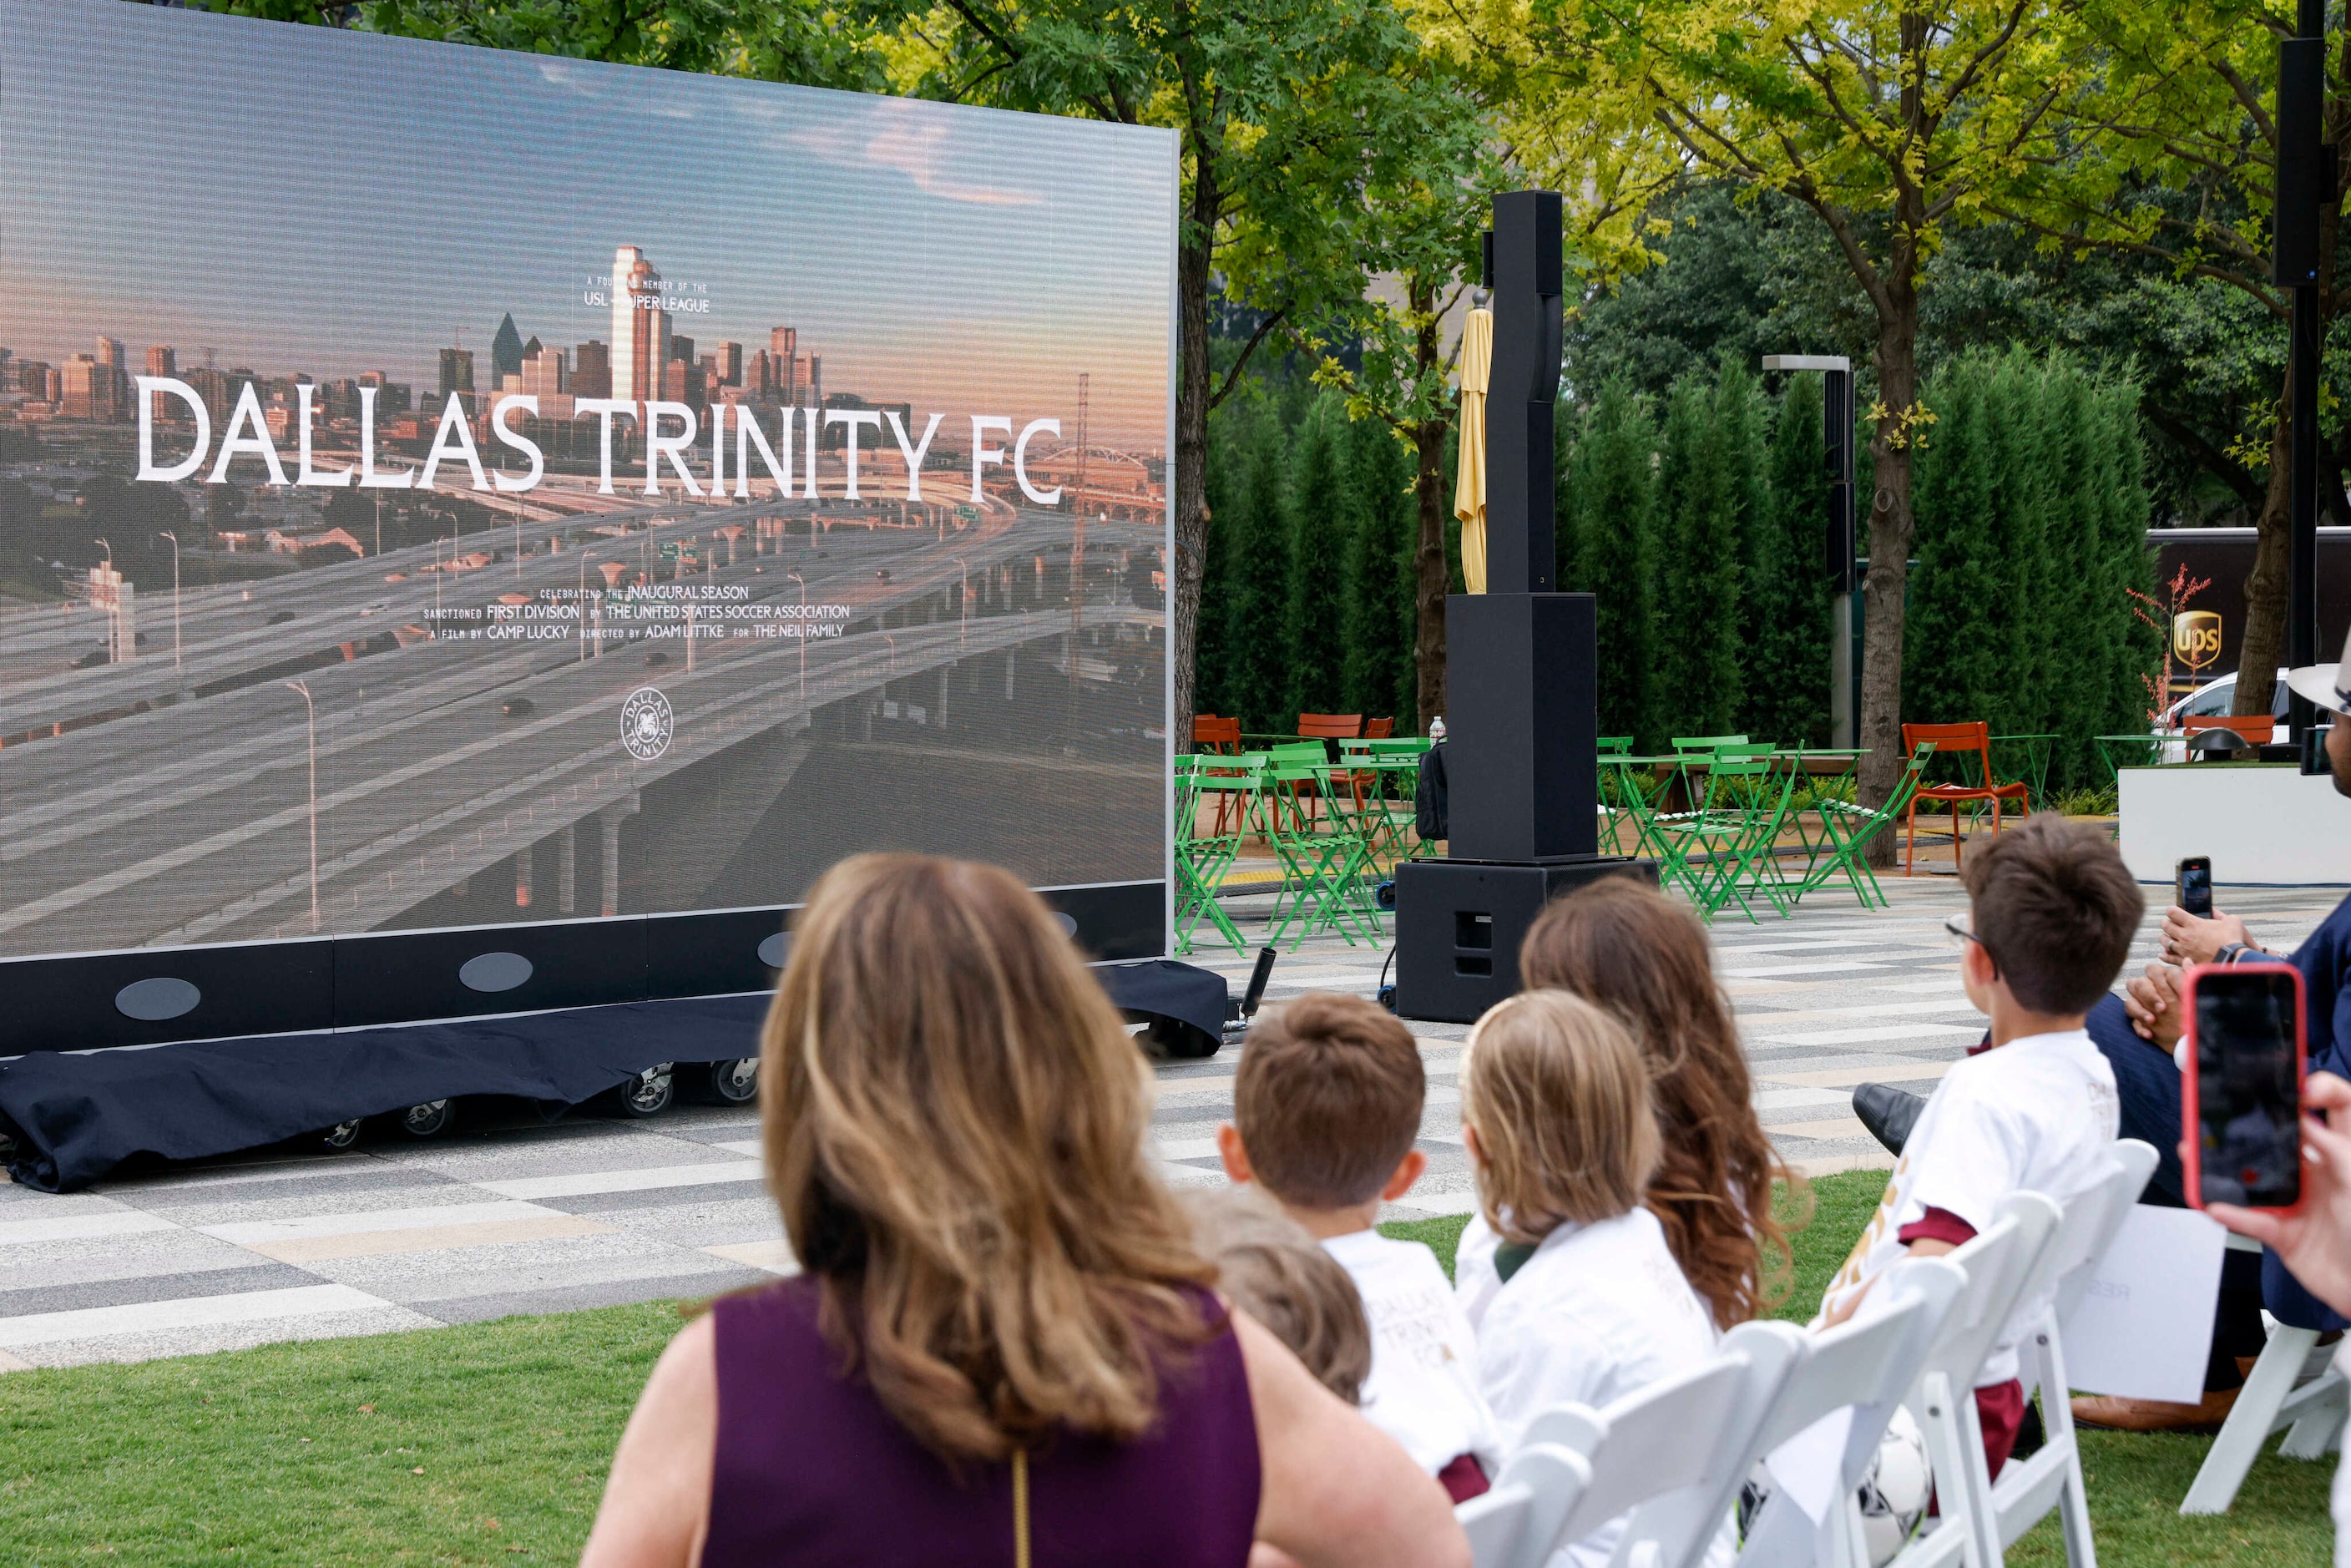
[73,1117]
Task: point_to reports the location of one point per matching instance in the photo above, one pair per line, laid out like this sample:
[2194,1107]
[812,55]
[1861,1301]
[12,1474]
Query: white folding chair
[1671,1456]
[1514,1523]
[1999,1264]
[1989,1517]
[1865,1367]
[2294,1389]
[2052,1478]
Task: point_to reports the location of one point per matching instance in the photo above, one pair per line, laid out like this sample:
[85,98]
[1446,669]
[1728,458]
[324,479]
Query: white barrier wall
[2265,824]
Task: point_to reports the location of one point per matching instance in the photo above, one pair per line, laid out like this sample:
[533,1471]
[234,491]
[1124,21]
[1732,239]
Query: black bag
[1432,817]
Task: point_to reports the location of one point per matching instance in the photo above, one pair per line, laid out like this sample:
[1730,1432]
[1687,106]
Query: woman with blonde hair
[1004,1342]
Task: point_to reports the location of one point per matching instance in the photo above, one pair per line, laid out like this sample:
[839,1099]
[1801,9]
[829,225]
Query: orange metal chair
[1379,729]
[1220,736]
[1960,741]
[1327,727]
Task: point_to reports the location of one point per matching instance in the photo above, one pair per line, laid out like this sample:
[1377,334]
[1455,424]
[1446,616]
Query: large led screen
[442,487]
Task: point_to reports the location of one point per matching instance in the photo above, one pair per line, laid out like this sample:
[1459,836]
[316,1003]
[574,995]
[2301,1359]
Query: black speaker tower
[2306,180]
[1521,760]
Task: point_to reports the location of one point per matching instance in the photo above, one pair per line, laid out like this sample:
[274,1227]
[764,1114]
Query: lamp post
[379,526]
[517,528]
[963,605]
[1836,425]
[796,577]
[168,534]
[310,723]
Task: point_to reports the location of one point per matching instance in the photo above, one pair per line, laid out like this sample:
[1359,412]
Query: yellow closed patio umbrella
[1470,483]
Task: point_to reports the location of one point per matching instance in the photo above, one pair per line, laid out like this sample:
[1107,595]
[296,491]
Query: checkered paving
[498,1220]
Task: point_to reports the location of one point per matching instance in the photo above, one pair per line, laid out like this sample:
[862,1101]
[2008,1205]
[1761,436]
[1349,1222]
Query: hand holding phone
[2315,1240]
[2240,1098]
[2193,885]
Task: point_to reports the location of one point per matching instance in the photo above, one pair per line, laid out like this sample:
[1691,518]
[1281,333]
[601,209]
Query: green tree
[1379,616]
[1742,443]
[1955,671]
[1698,535]
[1320,507]
[2175,139]
[818,45]
[1889,124]
[2018,612]
[1616,557]
[1300,123]
[1257,652]
[1212,681]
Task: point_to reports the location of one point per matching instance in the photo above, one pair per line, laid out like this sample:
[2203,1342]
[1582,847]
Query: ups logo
[2196,637]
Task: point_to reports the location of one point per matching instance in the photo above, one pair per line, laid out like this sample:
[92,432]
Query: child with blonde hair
[1556,1114]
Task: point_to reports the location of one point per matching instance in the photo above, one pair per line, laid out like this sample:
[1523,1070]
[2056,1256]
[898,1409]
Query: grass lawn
[487,1444]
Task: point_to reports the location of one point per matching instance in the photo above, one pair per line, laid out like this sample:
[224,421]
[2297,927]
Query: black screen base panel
[1459,924]
[167,996]
[67,1120]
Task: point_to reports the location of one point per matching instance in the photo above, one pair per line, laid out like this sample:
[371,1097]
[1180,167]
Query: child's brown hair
[1645,957]
[1328,1100]
[1273,1269]
[2055,909]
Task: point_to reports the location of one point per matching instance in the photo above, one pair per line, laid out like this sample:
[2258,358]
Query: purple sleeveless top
[811,1470]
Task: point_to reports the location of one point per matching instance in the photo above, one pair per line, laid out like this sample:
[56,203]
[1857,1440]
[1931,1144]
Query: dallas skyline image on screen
[444,487]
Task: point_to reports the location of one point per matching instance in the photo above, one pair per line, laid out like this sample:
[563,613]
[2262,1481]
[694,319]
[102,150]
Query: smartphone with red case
[2241,1097]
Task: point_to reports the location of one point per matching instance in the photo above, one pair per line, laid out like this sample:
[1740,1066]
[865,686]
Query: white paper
[1808,1465]
[2144,1328]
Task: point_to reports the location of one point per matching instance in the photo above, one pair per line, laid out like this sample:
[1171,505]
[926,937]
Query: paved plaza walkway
[494,1220]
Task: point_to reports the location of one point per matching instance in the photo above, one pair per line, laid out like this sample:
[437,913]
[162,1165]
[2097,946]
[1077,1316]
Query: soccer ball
[1895,1488]
[1892,1494]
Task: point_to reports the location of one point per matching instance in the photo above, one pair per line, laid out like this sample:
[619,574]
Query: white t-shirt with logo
[1422,1390]
[2037,1114]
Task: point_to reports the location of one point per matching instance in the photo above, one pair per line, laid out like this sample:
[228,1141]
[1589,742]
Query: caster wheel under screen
[735,1082]
[342,1135]
[650,1092]
[429,1120]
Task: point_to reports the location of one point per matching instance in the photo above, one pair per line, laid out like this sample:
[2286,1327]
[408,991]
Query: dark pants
[2147,1085]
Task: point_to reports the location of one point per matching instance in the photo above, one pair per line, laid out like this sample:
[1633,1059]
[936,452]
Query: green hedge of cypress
[1699,526]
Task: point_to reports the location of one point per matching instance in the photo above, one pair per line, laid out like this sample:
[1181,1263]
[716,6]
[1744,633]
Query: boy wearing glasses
[2051,912]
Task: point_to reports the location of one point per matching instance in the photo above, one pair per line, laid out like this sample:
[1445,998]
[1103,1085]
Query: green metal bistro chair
[1708,742]
[1848,829]
[1747,789]
[1202,858]
[1634,788]
[1321,855]
[1383,781]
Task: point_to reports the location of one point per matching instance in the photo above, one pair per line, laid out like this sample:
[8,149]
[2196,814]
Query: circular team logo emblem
[646,723]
